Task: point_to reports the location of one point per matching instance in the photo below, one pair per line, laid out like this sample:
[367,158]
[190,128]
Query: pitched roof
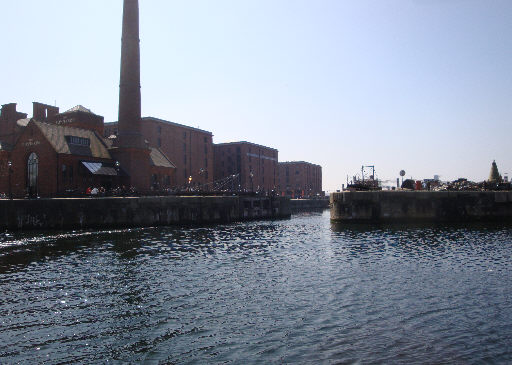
[79,108]
[58,136]
[158,158]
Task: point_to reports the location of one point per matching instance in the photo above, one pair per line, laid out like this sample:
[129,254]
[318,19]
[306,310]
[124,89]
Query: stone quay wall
[84,213]
[393,206]
[299,205]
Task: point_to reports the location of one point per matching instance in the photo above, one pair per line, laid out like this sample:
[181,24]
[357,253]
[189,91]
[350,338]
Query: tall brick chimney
[129,132]
[131,151]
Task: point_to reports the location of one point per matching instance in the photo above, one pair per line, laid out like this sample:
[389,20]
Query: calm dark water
[293,291]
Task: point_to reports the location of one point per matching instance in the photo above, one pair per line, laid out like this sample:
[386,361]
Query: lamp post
[9,165]
[116,166]
[202,174]
[251,175]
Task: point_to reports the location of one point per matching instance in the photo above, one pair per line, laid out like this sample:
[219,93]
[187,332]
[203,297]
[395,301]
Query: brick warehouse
[63,153]
[190,149]
[300,179]
[255,165]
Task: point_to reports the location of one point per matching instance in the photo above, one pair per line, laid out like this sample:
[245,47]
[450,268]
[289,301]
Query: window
[64,173]
[205,140]
[205,162]
[159,129]
[184,159]
[32,172]
[159,142]
[80,141]
[184,135]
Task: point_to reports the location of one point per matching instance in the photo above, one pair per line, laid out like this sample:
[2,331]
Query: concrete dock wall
[299,205]
[84,213]
[391,206]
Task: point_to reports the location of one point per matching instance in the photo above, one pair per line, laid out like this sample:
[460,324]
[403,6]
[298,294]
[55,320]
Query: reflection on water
[295,291]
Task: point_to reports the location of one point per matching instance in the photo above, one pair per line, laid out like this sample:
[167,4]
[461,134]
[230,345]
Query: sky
[417,85]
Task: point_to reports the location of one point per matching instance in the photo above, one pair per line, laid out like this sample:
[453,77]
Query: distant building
[190,149]
[299,179]
[254,167]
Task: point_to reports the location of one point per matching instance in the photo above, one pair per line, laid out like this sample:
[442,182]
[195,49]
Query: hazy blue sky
[419,85]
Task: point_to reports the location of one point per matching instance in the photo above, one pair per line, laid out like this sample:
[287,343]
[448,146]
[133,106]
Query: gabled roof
[79,108]
[158,158]
[58,137]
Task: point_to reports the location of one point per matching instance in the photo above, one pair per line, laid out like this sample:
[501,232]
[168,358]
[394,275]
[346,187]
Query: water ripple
[293,291]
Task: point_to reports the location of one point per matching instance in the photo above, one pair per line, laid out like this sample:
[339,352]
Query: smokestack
[129,122]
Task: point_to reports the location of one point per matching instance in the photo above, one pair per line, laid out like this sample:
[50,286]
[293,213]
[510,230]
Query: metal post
[9,165]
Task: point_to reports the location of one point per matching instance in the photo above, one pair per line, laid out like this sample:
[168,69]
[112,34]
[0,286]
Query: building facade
[253,167]
[190,150]
[58,154]
[299,179]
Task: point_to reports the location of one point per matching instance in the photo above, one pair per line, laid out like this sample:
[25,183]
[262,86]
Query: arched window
[32,172]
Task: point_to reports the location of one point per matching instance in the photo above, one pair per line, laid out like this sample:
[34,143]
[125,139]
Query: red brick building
[9,128]
[64,153]
[190,149]
[255,166]
[300,179]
